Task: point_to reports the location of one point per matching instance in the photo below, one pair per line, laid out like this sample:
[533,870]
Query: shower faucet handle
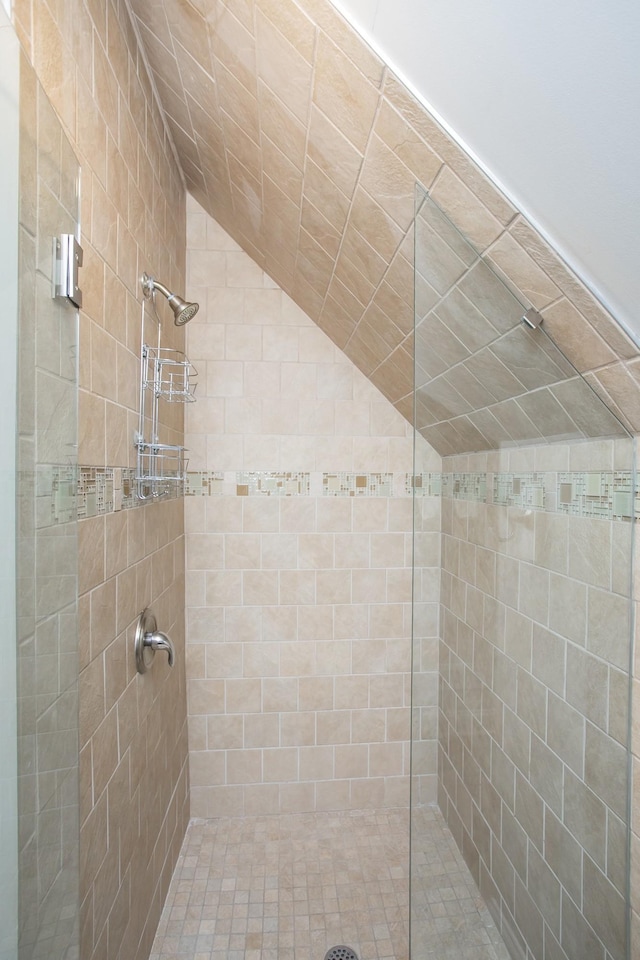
[149,639]
[160,641]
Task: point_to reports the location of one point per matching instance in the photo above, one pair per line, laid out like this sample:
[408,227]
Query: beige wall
[134,796]
[299,615]
[534,688]
[306,147]
[635,767]
[47,542]
[132,218]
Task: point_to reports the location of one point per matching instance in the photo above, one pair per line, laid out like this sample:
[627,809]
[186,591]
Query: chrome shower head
[183,311]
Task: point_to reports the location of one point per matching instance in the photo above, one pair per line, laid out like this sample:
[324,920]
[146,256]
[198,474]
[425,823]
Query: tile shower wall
[46,545]
[306,147]
[133,775]
[298,521]
[317,183]
[78,50]
[534,689]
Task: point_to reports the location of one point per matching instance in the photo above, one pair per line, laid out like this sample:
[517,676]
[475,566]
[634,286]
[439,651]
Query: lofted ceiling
[306,148]
[297,139]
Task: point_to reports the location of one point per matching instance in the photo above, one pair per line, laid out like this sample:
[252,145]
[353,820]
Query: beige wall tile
[559,690]
[297,797]
[392,127]
[333,152]
[574,289]
[343,93]
[283,69]
[385,176]
[518,267]
[575,337]
[402,143]
[297,652]
[617,384]
[347,93]
[468,213]
[244,766]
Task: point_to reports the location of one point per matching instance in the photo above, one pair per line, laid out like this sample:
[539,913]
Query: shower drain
[341,953]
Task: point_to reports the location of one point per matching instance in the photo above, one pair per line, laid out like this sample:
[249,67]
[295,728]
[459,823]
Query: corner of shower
[523,715]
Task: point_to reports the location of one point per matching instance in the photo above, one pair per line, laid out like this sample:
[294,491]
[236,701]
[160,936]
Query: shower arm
[149,286]
[182,310]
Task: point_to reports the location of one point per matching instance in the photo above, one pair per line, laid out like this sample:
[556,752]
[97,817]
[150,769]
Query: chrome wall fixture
[183,311]
[166,376]
[67,259]
[149,639]
[532,318]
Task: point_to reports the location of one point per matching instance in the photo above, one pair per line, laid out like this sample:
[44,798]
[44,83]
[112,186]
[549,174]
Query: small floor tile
[292,886]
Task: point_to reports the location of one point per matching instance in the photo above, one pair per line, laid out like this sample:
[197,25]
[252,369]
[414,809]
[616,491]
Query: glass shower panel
[9,122]
[46,541]
[538,498]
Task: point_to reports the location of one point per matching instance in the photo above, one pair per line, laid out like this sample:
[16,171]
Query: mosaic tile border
[55,493]
[601,496]
[423,484]
[205,483]
[357,484]
[604,495]
[243,483]
[465,486]
[596,495]
[297,484]
[65,492]
[531,491]
[105,490]
[272,484]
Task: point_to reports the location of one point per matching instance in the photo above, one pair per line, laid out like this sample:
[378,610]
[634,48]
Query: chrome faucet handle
[149,639]
[160,641]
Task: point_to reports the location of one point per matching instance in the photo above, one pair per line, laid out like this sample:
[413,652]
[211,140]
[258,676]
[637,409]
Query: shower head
[183,311]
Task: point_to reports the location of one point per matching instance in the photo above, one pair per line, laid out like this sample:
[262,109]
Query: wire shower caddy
[166,376]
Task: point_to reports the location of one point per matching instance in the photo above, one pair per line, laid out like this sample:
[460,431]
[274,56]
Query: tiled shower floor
[290,887]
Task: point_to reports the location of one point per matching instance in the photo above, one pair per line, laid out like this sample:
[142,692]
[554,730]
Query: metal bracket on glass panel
[532,318]
[67,259]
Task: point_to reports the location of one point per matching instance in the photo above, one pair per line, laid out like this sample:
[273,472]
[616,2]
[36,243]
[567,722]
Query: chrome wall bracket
[149,639]
[67,259]
[532,318]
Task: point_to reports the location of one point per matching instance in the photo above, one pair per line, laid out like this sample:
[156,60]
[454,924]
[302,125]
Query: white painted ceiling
[546,97]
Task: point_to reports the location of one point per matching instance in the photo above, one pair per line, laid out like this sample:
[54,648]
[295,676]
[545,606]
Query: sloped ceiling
[291,133]
[306,148]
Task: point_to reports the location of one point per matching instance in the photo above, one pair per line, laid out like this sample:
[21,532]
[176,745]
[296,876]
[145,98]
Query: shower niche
[167,376]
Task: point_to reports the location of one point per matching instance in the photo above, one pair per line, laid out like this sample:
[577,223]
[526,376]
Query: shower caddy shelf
[168,376]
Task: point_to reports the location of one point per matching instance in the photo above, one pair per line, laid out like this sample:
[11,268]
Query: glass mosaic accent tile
[103,490]
[67,492]
[204,483]
[64,499]
[424,484]
[527,490]
[95,491]
[55,492]
[272,484]
[125,494]
[357,484]
[465,486]
[601,496]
